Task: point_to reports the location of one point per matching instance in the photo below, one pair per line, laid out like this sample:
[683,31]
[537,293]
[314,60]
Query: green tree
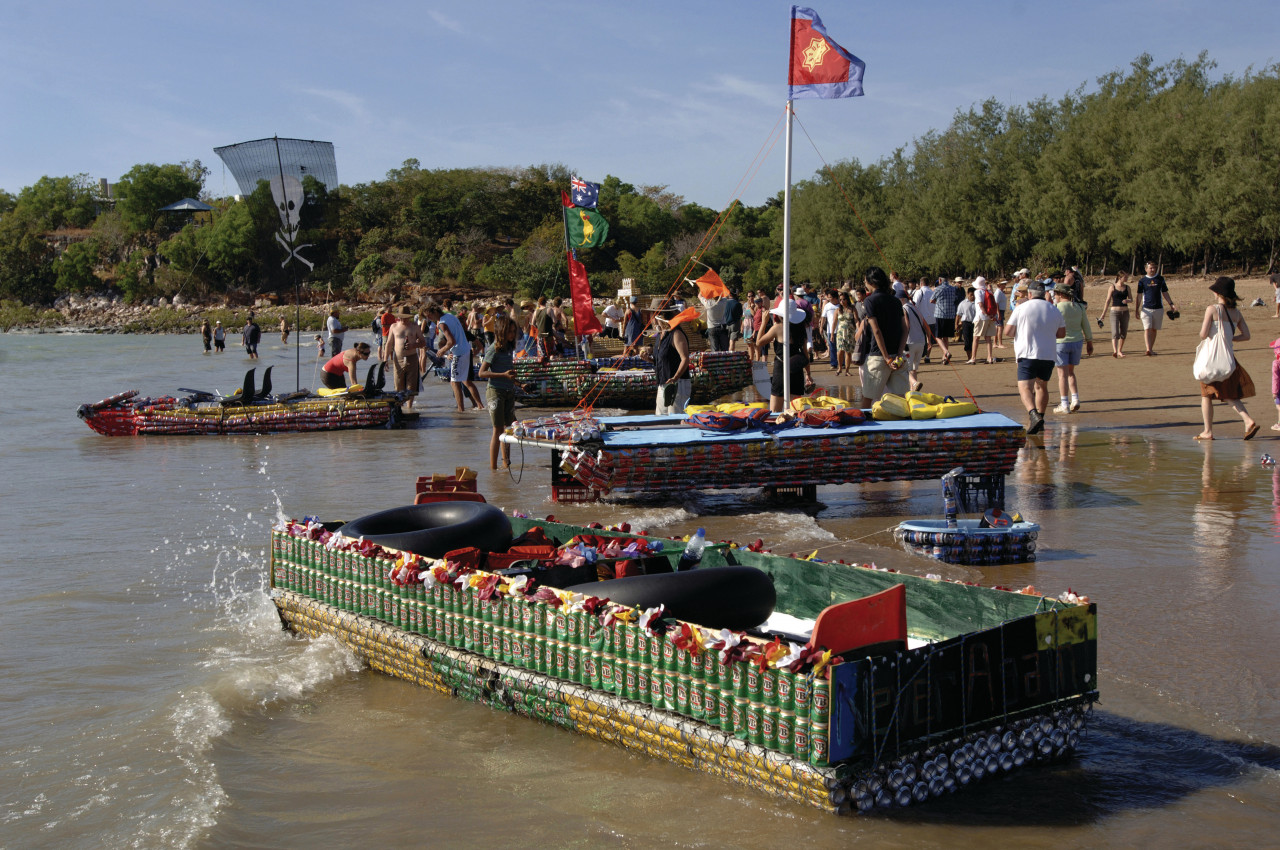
[146,188]
[75,268]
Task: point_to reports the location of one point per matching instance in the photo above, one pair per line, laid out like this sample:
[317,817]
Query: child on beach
[1275,382]
[966,313]
[320,346]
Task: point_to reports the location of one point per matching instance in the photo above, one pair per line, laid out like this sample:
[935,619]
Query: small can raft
[969,541]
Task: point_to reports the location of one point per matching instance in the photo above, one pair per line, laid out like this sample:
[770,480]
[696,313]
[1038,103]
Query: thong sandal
[1249,435]
[1202,437]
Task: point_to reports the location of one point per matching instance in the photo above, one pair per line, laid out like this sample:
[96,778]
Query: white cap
[1021,273]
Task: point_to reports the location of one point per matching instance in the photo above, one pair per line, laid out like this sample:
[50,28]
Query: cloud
[353,103]
[729,84]
[447,23]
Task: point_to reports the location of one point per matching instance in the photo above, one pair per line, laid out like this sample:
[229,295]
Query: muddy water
[151,699]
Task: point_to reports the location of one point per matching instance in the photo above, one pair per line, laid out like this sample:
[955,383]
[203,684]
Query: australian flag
[584,194]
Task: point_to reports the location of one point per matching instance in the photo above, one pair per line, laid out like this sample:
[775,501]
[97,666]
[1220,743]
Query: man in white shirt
[452,339]
[923,299]
[830,316]
[336,333]
[1036,326]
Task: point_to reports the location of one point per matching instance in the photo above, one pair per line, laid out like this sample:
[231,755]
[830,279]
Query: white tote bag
[1214,361]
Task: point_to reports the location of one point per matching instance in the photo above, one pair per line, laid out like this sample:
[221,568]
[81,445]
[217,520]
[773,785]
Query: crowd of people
[882,330]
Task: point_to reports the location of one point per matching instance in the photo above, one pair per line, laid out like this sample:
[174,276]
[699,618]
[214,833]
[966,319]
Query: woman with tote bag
[1223,325]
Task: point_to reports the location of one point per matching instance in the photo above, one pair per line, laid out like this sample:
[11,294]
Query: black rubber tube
[715,597]
[435,528]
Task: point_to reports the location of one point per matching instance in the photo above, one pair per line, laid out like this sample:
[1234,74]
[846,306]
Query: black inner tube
[435,528]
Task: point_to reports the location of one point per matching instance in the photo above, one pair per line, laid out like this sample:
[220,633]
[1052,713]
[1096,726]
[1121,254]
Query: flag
[685,315]
[586,228]
[584,194]
[819,66]
[565,200]
[585,320]
[711,286]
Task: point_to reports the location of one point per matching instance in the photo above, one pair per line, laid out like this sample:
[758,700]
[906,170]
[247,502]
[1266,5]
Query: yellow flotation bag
[952,409]
[920,410]
[891,407]
[822,401]
[925,398]
[325,392]
[699,408]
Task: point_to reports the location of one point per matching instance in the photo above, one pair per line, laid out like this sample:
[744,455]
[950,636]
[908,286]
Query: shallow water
[152,700]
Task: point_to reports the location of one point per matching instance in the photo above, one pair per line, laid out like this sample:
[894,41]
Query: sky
[685,95]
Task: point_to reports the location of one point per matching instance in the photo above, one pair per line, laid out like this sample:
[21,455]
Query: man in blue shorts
[1035,326]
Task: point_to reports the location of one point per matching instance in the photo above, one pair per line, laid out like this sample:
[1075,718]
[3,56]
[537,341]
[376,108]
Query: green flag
[587,228]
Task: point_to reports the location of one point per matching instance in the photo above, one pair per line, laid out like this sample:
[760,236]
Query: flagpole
[786,272]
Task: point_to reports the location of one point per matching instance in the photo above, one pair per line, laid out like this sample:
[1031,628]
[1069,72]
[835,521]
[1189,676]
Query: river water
[151,699]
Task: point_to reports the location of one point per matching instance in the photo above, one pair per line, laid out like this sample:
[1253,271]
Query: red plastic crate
[573,493]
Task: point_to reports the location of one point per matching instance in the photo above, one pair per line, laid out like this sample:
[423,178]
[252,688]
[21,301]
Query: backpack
[988,303]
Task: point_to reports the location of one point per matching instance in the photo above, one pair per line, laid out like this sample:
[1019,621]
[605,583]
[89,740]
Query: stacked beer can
[732,684]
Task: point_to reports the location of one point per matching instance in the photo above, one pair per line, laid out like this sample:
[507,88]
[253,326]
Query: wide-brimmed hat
[1064,290]
[1020,285]
[980,282]
[794,315]
[957,279]
[1226,287]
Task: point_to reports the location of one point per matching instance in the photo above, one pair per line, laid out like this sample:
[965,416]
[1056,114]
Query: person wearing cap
[1223,317]
[1152,292]
[1035,327]
[1019,295]
[984,324]
[1079,336]
[671,365]
[206,335]
[794,316]
[884,369]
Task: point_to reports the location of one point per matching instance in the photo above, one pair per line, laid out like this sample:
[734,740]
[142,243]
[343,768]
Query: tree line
[1159,161]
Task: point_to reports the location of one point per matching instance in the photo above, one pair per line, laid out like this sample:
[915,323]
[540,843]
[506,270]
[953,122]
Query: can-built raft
[991,681]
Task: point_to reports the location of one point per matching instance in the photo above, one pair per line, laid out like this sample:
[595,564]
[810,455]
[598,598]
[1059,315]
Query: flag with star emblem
[819,66]
[584,194]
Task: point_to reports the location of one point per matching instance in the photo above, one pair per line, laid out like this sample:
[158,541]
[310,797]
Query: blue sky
[682,94]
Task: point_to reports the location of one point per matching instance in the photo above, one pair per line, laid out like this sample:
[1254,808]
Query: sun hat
[1022,284]
[794,315]
[957,279]
[980,282]
[1226,287]
[1064,290]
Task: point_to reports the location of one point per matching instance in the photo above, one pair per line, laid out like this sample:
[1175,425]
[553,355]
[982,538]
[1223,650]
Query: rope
[587,402]
[849,202]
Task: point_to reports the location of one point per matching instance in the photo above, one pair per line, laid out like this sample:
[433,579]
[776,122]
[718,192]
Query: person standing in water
[499,368]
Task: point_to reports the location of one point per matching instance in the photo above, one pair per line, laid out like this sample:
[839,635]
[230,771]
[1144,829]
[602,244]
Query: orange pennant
[685,315]
[711,286]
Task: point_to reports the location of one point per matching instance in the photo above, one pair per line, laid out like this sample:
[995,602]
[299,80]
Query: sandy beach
[1156,393]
